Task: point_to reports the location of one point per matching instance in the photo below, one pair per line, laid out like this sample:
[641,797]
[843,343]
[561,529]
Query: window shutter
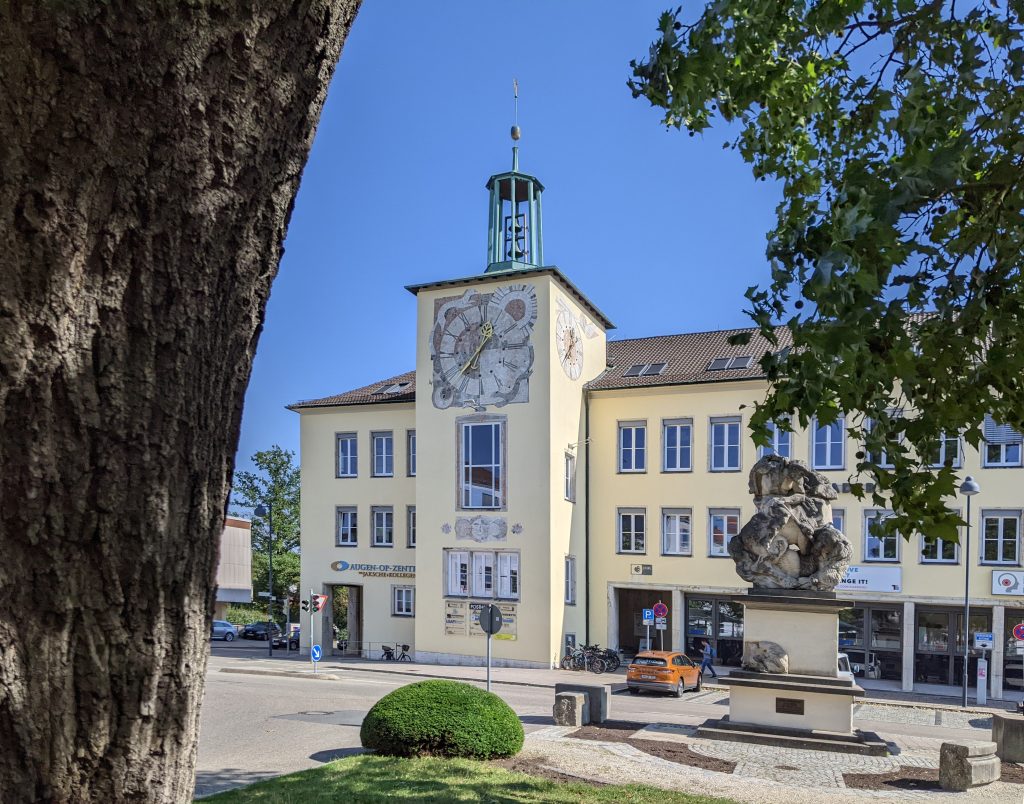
[478,573]
[996,433]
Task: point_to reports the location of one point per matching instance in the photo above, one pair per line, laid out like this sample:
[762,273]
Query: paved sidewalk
[762,773]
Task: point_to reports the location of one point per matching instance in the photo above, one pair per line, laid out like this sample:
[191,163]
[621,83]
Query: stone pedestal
[809,706]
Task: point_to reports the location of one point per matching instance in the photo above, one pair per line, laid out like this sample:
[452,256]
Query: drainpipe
[586,517]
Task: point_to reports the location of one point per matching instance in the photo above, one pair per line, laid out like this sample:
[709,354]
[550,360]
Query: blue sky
[663,231]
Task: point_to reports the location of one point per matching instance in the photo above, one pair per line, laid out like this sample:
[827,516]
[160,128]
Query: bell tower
[514,236]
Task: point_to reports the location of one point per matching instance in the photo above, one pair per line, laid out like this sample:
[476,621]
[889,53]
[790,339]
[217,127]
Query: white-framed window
[1000,537]
[481,471]
[403,601]
[677,437]
[946,452]
[632,446]
[725,444]
[410,452]
[675,532]
[410,526]
[723,525]
[781,442]
[508,576]
[347,452]
[880,457]
[938,551]
[828,444]
[383,454]
[632,530]
[1002,454]
[839,519]
[570,580]
[570,477]
[879,546]
[1002,445]
[346,534]
[482,574]
[383,525]
[457,573]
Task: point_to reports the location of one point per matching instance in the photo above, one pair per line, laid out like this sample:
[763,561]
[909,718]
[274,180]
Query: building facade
[529,462]
[234,570]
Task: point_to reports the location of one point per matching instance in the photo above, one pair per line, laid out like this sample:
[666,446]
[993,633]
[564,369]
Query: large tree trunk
[150,152]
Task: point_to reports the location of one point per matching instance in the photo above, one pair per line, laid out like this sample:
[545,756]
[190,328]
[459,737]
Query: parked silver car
[222,629]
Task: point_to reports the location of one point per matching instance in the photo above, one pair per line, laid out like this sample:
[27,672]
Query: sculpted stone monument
[790,542]
[789,685]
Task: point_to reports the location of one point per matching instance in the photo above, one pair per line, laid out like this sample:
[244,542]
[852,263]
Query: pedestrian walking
[705,662]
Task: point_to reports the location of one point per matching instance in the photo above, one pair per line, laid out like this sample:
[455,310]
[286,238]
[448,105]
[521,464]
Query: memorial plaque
[789,706]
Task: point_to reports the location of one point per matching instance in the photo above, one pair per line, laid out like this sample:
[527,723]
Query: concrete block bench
[571,709]
[598,698]
[1008,735]
[967,764]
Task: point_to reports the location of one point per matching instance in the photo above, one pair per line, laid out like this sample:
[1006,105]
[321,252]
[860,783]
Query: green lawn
[374,778]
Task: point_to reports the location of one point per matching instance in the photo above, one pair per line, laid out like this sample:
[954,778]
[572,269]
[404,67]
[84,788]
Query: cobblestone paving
[762,774]
[922,716]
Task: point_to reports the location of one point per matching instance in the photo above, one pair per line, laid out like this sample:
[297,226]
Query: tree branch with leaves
[894,130]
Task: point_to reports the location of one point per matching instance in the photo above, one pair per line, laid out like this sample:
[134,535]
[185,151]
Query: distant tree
[149,157]
[895,130]
[276,485]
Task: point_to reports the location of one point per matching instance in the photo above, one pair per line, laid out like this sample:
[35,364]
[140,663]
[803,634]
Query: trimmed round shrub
[442,718]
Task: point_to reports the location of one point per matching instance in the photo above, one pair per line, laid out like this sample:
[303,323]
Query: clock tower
[502,359]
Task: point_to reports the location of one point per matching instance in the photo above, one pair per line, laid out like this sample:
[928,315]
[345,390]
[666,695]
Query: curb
[255,671]
[616,686]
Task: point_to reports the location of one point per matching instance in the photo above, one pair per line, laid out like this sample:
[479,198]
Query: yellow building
[575,481]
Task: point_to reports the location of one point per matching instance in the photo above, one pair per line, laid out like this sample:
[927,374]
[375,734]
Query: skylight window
[392,388]
[726,363]
[645,370]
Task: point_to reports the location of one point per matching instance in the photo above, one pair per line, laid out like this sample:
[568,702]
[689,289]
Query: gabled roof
[372,394]
[688,358]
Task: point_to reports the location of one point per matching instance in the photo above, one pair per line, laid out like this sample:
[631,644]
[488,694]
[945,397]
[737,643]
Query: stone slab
[863,743]
[598,698]
[571,709]
[966,764]
[1008,735]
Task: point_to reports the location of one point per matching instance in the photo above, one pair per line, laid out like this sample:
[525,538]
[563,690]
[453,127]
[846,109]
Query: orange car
[662,671]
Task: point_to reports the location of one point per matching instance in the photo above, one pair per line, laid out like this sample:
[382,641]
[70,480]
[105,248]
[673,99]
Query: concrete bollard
[1008,735]
[598,696]
[967,764]
[571,709]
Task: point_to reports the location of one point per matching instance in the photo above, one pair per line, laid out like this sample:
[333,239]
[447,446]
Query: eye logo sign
[341,566]
[1007,583]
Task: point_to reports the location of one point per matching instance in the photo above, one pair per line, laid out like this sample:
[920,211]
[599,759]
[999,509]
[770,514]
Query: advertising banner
[867,578]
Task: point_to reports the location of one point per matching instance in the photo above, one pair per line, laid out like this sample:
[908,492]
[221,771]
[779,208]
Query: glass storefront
[872,636]
[939,651]
[1013,664]
[718,621]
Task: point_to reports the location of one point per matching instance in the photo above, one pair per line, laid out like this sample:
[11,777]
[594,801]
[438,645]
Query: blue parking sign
[648,618]
[315,653]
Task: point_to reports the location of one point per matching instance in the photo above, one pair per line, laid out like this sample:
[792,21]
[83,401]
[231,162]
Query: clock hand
[488,332]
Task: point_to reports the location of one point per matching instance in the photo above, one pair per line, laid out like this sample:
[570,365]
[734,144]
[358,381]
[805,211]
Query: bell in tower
[514,236]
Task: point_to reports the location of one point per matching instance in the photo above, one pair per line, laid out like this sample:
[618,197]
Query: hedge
[442,718]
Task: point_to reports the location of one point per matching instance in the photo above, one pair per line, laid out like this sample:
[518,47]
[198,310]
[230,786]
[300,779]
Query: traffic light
[317,602]
[305,605]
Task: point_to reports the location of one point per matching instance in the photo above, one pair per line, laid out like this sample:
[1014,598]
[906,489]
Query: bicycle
[387,653]
[404,655]
[580,658]
[611,658]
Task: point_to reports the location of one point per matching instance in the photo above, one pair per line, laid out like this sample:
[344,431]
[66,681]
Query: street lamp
[268,512]
[968,489]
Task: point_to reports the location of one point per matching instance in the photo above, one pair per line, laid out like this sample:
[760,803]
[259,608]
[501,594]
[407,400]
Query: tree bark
[150,153]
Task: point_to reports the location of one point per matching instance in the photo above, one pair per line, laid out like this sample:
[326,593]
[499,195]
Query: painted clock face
[480,347]
[569,344]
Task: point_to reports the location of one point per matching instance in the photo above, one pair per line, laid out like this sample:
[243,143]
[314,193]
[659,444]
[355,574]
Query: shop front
[633,635]
[939,645]
[872,636]
[718,620]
